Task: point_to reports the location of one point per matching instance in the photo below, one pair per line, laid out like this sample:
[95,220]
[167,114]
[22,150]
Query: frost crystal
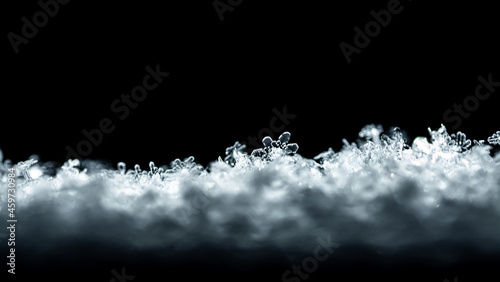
[441,138]
[188,165]
[275,148]
[372,133]
[153,170]
[478,143]
[24,168]
[70,166]
[121,167]
[234,153]
[460,141]
[325,156]
[495,138]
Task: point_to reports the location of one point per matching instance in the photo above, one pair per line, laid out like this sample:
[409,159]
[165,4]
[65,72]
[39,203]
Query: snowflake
[188,164]
[371,133]
[233,152]
[460,140]
[495,138]
[276,147]
[24,168]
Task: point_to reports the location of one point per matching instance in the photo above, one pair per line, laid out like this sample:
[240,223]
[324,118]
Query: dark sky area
[226,77]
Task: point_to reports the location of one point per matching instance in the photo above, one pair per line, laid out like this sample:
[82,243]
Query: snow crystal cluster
[381,191]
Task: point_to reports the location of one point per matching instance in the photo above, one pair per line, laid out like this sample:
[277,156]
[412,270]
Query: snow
[382,192]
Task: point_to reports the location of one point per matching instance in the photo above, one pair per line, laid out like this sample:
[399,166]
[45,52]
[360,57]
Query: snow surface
[382,192]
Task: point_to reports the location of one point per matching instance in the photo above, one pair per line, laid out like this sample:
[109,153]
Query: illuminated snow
[382,192]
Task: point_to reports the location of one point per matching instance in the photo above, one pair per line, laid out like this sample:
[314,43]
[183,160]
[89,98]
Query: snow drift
[382,192]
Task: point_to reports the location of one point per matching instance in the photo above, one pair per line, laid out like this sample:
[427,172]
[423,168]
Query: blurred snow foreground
[383,192]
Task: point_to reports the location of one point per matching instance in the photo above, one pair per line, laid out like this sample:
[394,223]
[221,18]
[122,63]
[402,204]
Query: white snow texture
[382,192]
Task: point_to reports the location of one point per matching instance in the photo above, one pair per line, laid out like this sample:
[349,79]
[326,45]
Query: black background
[226,77]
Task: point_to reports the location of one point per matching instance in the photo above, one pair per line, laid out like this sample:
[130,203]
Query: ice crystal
[460,141]
[24,168]
[234,153]
[275,148]
[371,133]
[495,138]
[188,165]
[71,167]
